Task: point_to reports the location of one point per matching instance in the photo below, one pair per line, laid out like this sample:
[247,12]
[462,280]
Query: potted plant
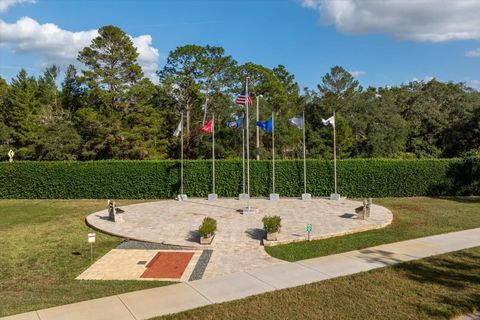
[207,230]
[272,225]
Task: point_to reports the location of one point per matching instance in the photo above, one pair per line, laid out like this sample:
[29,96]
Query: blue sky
[307,36]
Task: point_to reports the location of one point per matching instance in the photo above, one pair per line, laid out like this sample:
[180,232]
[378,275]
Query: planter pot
[206,240]
[272,236]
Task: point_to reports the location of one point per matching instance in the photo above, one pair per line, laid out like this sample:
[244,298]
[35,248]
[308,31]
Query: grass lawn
[412,218]
[44,247]
[438,287]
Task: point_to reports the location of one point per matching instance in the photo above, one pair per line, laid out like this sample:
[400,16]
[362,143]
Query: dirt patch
[167,265]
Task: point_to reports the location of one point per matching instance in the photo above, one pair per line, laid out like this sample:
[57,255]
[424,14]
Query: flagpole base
[243,197]
[182,197]
[212,197]
[249,211]
[306,196]
[335,196]
[274,197]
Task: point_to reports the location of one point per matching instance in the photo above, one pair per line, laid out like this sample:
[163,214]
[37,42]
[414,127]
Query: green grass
[44,247]
[439,287]
[413,218]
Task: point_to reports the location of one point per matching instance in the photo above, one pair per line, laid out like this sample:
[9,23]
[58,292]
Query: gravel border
[201,265]
[134,244]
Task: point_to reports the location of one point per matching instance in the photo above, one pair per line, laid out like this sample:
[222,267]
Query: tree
[200,80]
[47,93]
[19,112]
[112,65]
[58,142]
[338,82]
[429,108]
[180,75]
[72,91]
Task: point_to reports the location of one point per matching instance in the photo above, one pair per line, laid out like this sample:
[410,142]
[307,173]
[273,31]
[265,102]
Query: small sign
[309,227]
[91,237]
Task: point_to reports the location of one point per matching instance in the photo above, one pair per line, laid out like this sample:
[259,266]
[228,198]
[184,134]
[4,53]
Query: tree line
[110,110]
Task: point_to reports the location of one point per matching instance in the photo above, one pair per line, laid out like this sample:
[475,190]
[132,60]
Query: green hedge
[161,179]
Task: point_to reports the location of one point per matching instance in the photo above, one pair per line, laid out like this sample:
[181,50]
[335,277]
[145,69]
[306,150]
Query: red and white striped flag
[243,99]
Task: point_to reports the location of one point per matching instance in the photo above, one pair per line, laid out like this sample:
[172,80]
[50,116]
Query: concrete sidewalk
[183,296]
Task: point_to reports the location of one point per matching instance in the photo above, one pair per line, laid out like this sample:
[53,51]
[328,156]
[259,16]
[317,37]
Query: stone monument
[112,212]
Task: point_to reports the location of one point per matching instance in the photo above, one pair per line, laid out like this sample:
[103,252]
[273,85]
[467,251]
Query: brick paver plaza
[237,244]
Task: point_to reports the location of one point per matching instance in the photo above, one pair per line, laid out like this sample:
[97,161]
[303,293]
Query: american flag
[243,99]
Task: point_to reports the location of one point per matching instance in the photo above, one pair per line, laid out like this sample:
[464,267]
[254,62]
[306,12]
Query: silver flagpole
[304,157]
[243,151]
[258,132]
[181,161]
[248,144]
[334,153]
[273,151]
[213,151]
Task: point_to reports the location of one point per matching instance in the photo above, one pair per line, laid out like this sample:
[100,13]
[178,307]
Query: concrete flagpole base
[335,196]
[212,197]
[182,197]
[306,196]
[243,197]
[274,197]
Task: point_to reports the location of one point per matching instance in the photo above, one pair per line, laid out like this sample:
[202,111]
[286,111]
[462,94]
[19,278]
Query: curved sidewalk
[149,303]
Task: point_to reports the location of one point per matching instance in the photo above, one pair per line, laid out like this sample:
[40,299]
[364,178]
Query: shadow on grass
[460,272]
[471,200]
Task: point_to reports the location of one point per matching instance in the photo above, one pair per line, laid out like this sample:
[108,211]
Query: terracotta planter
[272,236]
[206,240]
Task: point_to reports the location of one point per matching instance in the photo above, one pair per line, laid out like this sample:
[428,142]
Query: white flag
[297,122]
[179,129]
[330,120]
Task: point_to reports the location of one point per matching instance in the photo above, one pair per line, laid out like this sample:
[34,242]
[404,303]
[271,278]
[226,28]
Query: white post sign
[91,237]
[91,240]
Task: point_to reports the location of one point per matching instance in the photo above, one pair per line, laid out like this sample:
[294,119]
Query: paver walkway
[236,246]
[183,296]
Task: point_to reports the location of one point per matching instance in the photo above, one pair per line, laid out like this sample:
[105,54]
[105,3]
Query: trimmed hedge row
[161,179]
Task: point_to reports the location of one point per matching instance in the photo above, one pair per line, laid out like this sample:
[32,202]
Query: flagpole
[248,144]
[334,154]
[213,151]
[273,151]
[258,132]
[304,156]
[181,158]
[243,151]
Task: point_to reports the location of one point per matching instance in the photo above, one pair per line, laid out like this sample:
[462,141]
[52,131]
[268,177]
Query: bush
[208,227]
[272,224]
[161,179]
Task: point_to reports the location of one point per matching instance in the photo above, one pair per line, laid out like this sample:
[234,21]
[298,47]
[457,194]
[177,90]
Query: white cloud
[473,53]
[147,55]
[426,79]
[356,73]
[5,4]
[418,20]
[475,84]
[60,47]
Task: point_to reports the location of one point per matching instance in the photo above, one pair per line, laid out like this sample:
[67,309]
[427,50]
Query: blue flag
[235,124]
[265,125]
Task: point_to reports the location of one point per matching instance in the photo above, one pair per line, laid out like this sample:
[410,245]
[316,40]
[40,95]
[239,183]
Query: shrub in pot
[272,225]
[207,230]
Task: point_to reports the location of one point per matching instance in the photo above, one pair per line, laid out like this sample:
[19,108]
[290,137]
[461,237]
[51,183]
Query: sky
[380,42]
